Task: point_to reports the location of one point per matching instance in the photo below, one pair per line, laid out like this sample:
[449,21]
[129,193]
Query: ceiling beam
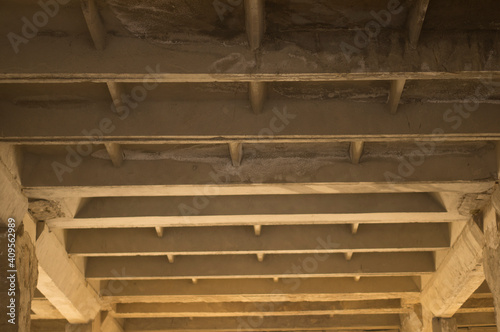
[242,309]
[229,324]
[261,290]
[62,283]
[355,151]
[416,319]
[290,122]
[94,23]
[275,240]
[116,90]
[246,266]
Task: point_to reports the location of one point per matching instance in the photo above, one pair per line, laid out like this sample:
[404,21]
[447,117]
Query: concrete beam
[94,23]
[14,235]
[241,309]
[284,122]
[62,283]
[112,324]
[262,209]
[261,290]
[116,91]
[17,205]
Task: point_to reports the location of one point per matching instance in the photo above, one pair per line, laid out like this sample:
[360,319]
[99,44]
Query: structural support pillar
[491,224]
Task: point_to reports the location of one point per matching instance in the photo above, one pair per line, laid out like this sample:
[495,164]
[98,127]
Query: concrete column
[444,325]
